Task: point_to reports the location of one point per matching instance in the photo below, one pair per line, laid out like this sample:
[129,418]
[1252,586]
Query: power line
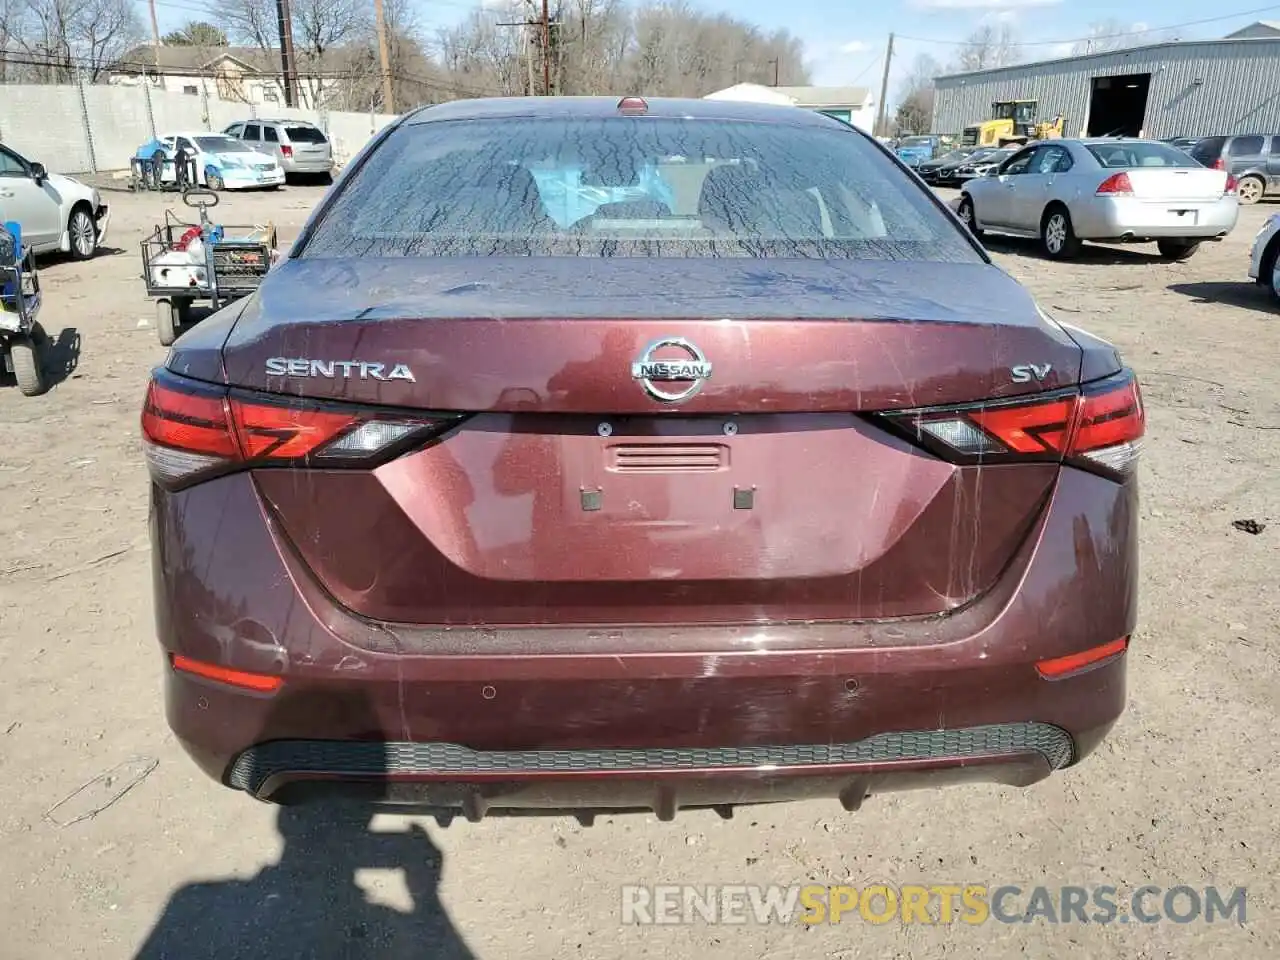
[1108,36]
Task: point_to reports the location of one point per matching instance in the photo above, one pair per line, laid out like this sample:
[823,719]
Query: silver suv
[299,147]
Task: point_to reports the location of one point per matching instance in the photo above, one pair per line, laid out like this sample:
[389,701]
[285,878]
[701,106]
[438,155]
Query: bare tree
[63,38]
[196,33]
[991,45]
[915,99]
[319,27]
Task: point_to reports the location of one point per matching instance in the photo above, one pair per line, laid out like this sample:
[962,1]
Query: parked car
[914,151]
[979,164]
[299,147]
[457,512]
[56,213]
[1253,160]
[1264,256]
[1113,190]
[935,171]
[219,162]
[1182,143]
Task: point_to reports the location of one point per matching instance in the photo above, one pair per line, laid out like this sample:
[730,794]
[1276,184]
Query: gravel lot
[1180,794]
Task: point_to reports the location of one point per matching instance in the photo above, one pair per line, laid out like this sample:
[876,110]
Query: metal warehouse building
[1178,89]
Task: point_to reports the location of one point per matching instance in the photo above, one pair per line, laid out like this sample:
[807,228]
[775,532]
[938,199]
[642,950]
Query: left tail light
[286,151]
[1098,426]
[194,430]
[1116,185]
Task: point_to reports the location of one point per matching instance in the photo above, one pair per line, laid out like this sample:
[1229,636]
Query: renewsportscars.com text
[970,904]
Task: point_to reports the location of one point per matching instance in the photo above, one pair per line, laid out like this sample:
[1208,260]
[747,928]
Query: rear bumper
[451,777]
[1101,218]
[481,720]
[307,166]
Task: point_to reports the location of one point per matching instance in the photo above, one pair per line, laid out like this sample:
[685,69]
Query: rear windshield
[626,187]
[305,134]
[915,142]
[1152,154]
[1209,148]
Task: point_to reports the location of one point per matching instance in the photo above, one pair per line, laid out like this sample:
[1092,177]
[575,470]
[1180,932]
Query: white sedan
[56,213]
[1264,258]
[1112,190]
[220,162]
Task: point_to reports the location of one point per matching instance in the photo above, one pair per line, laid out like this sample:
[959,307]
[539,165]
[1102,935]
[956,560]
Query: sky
[845,42]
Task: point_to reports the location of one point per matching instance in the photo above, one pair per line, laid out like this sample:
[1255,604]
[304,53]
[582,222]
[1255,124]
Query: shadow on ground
[1235,294]
[309,905]
[1089,253]
[61,355]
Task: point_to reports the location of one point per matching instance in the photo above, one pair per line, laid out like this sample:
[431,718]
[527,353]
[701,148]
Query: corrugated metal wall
[1240,92]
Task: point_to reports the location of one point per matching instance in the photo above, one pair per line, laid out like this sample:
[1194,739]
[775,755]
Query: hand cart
[148,173]
[22,340]
[184,262]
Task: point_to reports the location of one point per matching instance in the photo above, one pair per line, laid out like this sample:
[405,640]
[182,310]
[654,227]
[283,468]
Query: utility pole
[881,111]
[546,49]
[527,43]
[285,24]
[384,56]
[774,62]
[155,32]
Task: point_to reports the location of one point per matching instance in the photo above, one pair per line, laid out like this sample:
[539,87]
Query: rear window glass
[1245,147]
[621,187]
[305,134]
[1209,148]
[1126,155]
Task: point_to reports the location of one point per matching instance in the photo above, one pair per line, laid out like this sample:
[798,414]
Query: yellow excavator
[1012,122]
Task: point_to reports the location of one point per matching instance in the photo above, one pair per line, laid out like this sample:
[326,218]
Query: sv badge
[1027,372]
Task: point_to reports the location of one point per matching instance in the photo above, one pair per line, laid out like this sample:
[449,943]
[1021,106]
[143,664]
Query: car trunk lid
[573,495]
[1177,183]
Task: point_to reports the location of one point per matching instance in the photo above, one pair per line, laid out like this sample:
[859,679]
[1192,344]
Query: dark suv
[1254,160]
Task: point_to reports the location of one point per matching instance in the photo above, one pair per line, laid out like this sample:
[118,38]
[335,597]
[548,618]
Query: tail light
[1116,185]
[1219,164]
[286,151]
[1098,427]
[1232,185]
[193,430]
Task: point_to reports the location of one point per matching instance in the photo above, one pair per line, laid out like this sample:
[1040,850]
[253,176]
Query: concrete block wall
[56,124]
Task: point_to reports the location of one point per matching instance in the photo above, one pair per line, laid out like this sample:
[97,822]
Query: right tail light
[1098,426]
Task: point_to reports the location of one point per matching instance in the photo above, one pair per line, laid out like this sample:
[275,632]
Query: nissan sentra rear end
[743,477]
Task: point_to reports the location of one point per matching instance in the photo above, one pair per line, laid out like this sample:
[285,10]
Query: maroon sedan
[589,454]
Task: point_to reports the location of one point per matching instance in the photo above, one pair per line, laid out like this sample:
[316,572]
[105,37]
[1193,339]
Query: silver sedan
[1108,190]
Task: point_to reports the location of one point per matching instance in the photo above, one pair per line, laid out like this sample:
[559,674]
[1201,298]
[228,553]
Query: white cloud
[855,46]
[982,4]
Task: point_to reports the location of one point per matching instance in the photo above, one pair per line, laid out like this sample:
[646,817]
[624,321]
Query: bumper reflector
[1061,667]
[258,682]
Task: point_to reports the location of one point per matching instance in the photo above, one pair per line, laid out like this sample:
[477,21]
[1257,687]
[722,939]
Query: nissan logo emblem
[689,370]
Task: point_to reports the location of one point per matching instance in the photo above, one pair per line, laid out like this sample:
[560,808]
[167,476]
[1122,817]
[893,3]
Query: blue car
[914,151]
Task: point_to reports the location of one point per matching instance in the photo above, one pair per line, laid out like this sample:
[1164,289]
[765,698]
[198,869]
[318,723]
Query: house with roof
[853,105]
[234,74]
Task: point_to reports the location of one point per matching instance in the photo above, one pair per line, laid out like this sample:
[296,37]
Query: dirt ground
[1182,793]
